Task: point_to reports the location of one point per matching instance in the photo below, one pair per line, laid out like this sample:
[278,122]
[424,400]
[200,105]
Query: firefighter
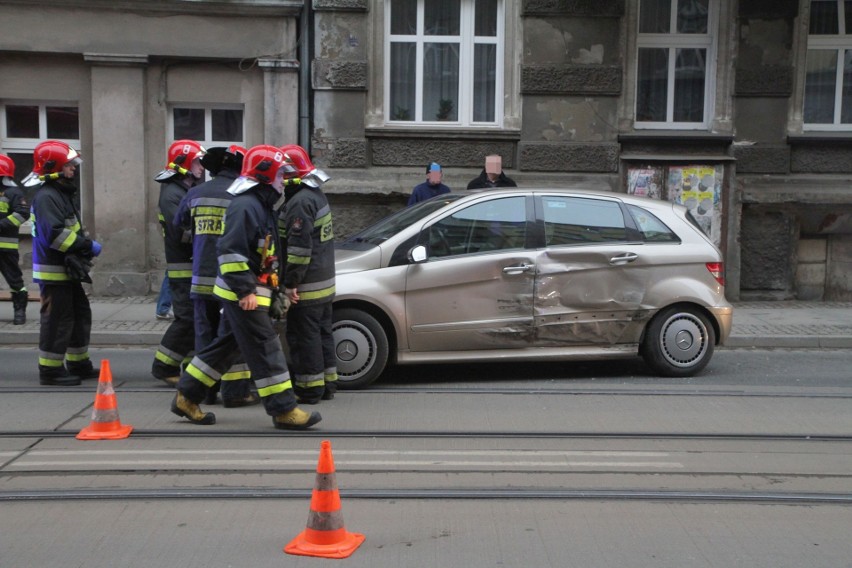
[202,211]
[62,254]
[14,211]
[305,223]
[183,170]
[246,282]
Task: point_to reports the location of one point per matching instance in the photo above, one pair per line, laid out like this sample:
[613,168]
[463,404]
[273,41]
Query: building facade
[739,109]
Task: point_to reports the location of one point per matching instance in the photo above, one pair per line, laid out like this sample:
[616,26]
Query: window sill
[675,135]
[458,133]
[806,137]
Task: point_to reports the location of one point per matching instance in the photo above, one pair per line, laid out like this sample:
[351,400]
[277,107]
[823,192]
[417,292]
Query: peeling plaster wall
[580,41]
[566,119]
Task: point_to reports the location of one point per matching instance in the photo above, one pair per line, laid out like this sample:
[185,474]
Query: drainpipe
[305,49]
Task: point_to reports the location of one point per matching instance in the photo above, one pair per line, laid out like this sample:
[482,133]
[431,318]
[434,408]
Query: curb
[790,341]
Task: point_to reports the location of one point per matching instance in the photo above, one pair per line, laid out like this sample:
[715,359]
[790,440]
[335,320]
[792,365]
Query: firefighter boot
[184,407]
[296,419]
[19,304]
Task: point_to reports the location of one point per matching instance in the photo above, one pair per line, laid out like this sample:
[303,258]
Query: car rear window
[653,230]
[580,220]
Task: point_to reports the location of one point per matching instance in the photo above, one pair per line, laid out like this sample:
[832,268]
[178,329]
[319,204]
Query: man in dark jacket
[492,176]
[430,188]
[183,170]
[14,211]
[246,282]
[202,212]
[62,256]
[305,222]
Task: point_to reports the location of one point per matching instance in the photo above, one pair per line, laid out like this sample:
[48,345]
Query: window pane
[402,80]
[652,85]
[189,123]
[653,230]
[577,221]
[485,18]
[227,125]
[848,18]
[692,16]
[655,16]
[689,85]
[63,122]
[441,81]
[498,224]
[484,82]
[22,122]
[823,17]
[442,17]
[403,17]
[846,100]
[820,86]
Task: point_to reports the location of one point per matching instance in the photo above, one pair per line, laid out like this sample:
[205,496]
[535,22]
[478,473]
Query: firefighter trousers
[178,341]
[236,383]
[251,334]
[11,269]
[66,324]
[312,356]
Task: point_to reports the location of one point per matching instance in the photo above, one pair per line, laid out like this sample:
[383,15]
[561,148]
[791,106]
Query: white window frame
[19,145]
[673,41]
[840,43]
[466,40]
[208,141]
[23,145]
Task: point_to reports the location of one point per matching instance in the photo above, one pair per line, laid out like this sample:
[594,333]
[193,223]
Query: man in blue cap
[431,187]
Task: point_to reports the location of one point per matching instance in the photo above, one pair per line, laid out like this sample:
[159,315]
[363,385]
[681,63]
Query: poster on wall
[699,188]
[645,182]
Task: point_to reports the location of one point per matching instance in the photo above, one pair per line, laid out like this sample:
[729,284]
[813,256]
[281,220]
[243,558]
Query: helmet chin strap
[55,175]
[178,169]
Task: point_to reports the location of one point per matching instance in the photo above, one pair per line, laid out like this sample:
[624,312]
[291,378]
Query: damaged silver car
[529,275]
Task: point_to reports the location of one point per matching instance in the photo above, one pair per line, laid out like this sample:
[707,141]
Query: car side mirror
[417,254]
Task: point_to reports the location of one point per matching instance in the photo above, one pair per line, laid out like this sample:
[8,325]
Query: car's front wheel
[361,348]
[679,342]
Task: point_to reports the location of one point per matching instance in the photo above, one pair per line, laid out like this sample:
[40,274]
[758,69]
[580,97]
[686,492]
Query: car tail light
[717,269]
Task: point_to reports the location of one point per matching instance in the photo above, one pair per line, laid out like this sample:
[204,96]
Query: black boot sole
[314,418]
[61,382]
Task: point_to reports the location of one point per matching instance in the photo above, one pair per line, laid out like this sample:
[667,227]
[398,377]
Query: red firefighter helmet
[298,156]
[49,157]
[260,165]
[7,170]
[179,158]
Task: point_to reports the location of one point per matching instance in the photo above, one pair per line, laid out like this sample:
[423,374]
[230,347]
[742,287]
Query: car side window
[653,230]
[496,224]
[581,220]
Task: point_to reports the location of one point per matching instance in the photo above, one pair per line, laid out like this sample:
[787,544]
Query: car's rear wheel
[679,342]
[361,348]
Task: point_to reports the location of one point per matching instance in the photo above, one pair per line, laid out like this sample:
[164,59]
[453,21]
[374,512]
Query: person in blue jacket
[431,187]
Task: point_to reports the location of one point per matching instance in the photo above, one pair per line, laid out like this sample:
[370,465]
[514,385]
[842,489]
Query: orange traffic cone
[325,535]
[105,424]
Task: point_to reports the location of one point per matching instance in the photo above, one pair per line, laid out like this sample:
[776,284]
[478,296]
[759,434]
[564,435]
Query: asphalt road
[587,465]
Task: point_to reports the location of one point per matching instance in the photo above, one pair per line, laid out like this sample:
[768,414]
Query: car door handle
[518,268]
[623,258]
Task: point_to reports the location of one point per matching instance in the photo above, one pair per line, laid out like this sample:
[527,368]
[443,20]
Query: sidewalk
[130,322]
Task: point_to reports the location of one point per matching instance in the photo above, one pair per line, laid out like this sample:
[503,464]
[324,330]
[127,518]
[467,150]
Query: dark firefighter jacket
[177,241]
[250,237]
[202,212]
[56,232]
[306,229]
[14,211]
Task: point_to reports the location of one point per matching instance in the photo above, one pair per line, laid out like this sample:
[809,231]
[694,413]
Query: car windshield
[392,224]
